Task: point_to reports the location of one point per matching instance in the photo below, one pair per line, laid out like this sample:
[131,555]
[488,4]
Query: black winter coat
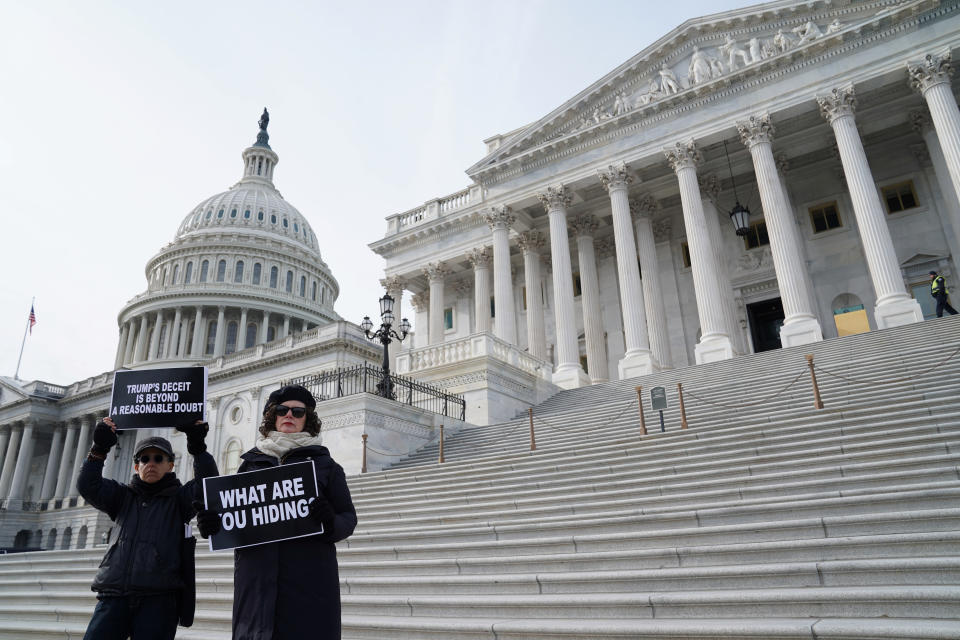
[290,590]
[144,553]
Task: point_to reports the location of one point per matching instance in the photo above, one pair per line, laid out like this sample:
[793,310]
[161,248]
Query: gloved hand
[321,511]
[195,436]
[104,437]
[208,520]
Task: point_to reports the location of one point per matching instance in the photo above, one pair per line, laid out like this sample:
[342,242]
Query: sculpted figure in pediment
[756,50]
[619,104]
[653,93]
[668,80]
[782,41]
[700,69]
[834,26]
[808,32]
[734,51]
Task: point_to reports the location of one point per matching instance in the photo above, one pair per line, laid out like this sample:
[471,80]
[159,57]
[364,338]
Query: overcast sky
[117,118]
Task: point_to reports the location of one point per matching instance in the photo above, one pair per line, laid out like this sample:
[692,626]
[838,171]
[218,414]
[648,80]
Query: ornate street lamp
[385,334]
[739,215]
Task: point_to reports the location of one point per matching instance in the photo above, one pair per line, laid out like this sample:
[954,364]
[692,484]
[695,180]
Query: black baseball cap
[156,442]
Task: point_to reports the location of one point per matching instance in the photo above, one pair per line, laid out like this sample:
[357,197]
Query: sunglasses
[282,409]
[157,458]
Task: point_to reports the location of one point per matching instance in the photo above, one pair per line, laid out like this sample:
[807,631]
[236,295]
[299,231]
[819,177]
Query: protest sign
[262,506]
[151,398]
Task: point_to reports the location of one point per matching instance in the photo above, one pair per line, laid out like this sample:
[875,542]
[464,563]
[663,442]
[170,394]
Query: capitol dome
[243,269]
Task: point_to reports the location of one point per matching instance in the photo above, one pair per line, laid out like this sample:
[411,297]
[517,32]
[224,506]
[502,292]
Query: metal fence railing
[366,378]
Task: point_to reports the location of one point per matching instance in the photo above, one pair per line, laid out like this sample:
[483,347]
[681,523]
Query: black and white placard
[153,398]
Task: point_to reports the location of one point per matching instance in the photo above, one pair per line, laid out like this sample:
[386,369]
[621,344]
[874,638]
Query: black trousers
[136,617]
[942,305]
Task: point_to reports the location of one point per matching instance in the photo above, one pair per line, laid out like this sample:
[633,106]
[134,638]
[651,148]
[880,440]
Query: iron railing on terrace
[367,378]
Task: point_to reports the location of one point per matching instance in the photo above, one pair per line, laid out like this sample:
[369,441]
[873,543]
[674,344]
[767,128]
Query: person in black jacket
[290,590]
[139,582]
[938,289]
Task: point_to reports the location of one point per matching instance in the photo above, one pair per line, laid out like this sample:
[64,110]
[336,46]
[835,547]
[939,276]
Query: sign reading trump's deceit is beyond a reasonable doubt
[262,506]
[152,398]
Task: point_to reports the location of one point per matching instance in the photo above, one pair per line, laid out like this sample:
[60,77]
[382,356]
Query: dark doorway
[766,318]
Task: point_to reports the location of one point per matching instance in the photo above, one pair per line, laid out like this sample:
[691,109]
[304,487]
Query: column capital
[556,197]
[755,130]
[606,247]
[221,308]
[709,187]
[393,284]
[662,229]
[480,257]
[436,271]
[933,70]
[644,206]
[840,102]
[420,301]
[615,176]
[584,224]
[532,241]
[783,164]
[920,120]
[463,288]
[683,155]
[499,217]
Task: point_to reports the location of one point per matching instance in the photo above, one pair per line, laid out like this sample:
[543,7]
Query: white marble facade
[841,125]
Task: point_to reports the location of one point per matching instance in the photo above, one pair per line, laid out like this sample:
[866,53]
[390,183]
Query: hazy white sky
[117,118]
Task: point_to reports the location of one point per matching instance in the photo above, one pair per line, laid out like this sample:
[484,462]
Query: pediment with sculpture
[701,57]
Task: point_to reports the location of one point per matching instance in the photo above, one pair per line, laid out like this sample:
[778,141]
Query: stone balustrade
[474,346]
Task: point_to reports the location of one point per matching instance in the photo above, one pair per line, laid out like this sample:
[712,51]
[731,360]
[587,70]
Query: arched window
[246,214]
[273,218]
[289,281]
[221,270]
[188,274]
[286,223]
[204,269]
[231,337]
[251,338]
[256,272]
[303,286]
[82,538]
[52,539]
[260,216]
[314,295]
[233,213]
[211,336]
[67,538]
[231,457]
[274,272]
[176,273]
[238,272]
[163,278]
[271,333]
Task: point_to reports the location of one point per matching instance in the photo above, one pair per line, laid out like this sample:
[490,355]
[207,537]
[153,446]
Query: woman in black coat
[290,590]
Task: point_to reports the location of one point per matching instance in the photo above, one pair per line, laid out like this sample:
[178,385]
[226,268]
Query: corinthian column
[394,285]
[709,196]
[932,79]
[121,345]
[584,226]
[69,446]
[800,325]
[638,360]
[894,305]
[480,259]
[81,452]
[531,242]
[23,465]
[500,219]
[197,349]
[923,125]
[643,210]
[436,272]
[173,335]
[715,343]
[10,460]
[568,374]
[220,339]
[155,338]
[53,464]
[139,353]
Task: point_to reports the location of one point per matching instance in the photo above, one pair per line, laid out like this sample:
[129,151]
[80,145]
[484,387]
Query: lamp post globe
[385,334]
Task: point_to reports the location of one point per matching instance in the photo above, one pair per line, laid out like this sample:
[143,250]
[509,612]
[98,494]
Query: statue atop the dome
[263,138]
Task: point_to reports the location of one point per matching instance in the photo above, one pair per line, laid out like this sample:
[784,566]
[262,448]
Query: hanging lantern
[740,216]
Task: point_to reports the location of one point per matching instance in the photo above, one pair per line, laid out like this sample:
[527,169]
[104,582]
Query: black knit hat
[290,392]
[156,442]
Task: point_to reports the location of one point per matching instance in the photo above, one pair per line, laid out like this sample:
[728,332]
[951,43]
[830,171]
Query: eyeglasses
[157,458]
[282,409]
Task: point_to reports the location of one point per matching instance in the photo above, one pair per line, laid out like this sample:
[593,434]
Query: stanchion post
[533,440]
[441,444]
[363,467]
[643,425]
[683,411]
[817,400]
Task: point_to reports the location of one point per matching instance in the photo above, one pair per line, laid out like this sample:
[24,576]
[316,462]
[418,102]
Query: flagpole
[24,341]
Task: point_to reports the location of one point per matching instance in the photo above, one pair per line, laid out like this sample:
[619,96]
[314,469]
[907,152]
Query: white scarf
[278,444]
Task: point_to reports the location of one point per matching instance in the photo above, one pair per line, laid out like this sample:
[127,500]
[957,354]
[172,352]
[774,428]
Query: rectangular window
[685,252]
[824,217]
[756,236]
[900,196]
[448,318]
[576,284]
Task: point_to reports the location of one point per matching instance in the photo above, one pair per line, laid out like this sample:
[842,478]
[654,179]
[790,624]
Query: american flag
[32,320]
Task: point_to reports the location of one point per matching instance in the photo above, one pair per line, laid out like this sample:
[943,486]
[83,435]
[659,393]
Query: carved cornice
[420,301]
[932,71]
[615,177]
[500,217]
[644,206]
[584,224]
[393,284]
[555,198]
[532,241]
[757,129]
[436,271]
[683,155]
[480,258]
[840,102]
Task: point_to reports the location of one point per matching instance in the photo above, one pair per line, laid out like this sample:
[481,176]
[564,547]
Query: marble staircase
[770,519]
